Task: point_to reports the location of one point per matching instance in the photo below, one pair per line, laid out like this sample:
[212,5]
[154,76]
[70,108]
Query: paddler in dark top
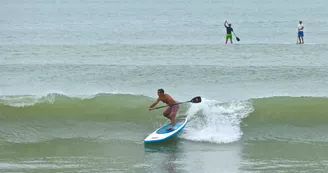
[229,30]
[172,106]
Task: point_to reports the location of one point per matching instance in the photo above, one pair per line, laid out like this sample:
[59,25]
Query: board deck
[162,134]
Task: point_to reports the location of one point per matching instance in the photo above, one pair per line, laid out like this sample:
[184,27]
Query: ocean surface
[77,77]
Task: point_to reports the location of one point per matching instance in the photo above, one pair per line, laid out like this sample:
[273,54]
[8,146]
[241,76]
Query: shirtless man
[172,106]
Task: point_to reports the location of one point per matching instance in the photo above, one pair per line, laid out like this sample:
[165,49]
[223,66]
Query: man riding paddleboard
[172,106]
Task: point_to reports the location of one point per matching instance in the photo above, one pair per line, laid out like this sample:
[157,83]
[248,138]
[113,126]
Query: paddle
[236,36]
[197,99]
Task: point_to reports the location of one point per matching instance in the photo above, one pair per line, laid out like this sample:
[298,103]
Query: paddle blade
[237,39]
[196,100]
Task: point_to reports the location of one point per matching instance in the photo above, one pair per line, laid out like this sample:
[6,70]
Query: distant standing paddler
[229,30]
[300,33]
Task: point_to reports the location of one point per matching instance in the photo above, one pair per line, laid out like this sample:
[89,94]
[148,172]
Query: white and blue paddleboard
[163,134]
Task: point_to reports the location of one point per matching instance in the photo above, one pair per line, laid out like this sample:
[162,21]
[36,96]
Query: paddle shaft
[170,105]
[234,34]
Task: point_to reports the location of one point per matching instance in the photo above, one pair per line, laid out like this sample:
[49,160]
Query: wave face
[289,110]
[61,116]
[292,119]
[98,107]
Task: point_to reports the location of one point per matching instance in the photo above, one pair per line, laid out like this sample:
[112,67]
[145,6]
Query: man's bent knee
[167,116]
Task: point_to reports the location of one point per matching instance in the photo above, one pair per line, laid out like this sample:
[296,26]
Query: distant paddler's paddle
[197,99]
[236,36]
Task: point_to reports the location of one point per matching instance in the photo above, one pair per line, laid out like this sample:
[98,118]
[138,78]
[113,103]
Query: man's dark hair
[160,90]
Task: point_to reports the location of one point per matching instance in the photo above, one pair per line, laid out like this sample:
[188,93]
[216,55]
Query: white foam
[19,101]
[212,121]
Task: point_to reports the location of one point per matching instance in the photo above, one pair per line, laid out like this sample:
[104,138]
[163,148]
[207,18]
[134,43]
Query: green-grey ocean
[77,78]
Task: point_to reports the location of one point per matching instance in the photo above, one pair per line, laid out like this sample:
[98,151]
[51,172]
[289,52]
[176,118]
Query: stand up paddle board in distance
[163,133]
